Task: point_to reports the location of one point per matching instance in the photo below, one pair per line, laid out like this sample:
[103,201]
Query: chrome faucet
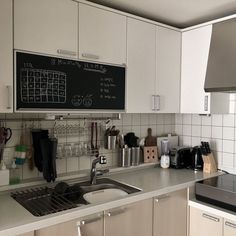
[93,172]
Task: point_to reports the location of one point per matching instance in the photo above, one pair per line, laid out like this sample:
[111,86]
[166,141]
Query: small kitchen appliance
[165,150]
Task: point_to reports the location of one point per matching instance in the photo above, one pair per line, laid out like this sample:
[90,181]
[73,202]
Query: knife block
[209,163]
[150,154]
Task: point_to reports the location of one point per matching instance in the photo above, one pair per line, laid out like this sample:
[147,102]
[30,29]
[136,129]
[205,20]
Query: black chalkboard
[53,83]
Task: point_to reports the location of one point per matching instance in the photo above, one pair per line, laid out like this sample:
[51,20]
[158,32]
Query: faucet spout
[93,172]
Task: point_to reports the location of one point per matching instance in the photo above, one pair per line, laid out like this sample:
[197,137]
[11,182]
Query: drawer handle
[155,102]
[227,223]
[90,56]
[9,96]
[162,198]
[116,212]
[66,52]
[210,217]
[89,221]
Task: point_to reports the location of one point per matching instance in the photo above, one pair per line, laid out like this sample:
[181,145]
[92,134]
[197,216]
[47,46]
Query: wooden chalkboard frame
[65,109]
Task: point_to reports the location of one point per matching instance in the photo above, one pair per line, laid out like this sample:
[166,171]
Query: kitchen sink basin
[106,183]
[104,195]
[45,200]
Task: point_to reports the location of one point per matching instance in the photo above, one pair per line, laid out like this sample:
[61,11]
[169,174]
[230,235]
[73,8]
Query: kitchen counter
[15,219]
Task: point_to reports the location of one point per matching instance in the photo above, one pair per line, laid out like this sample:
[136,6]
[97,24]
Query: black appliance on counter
[219,191]
[64,85]
[196,156]
[180,157]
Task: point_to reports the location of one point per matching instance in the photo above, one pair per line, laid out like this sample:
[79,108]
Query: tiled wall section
[138,123]
[219,130]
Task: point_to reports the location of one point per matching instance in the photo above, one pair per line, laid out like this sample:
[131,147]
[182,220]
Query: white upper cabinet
[141,66]
[195,50]
[46,26]
[168,62]
[102,35]
[6,57]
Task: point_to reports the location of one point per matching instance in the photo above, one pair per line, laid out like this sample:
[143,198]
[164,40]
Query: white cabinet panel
[229,228]
[46,26]
[168,61]
[204,223]
[6,57]
[102,35]
[195,50]
[170,214]
[89,226]
[131,220]
[141,71]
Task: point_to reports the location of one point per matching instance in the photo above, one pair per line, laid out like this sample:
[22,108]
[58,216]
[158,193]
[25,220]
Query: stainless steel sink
[105,190]
[106,183]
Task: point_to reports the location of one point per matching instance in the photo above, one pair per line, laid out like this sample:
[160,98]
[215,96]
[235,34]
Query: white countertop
[15,219]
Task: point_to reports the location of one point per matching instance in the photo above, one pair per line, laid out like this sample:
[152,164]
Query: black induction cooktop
[219,191]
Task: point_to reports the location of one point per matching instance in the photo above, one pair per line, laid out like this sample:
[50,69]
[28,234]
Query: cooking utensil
[150,140]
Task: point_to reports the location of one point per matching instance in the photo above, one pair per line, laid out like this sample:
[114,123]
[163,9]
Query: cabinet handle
[155,102]
[89,221]
[90,56]
[206,103]
[9,96]
[116,212]
[227,223]
[210,217]
[66,52]
[162,198]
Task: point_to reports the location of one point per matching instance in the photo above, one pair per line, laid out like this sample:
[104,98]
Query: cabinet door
[46,26]
[88,226]
[6,57]
[102,35]
[168,56]
[204,223]
[195,50]
[141,66]
[131,220]
[27,234]
[229,227]
[170,214]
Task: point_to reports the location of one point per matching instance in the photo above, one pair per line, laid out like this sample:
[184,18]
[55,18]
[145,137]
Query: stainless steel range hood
[221,68]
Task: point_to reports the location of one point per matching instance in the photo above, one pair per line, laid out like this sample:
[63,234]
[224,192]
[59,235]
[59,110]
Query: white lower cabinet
[87,226]
[229,228]
[170,214]
[131,220]
[27,234]
[203,223]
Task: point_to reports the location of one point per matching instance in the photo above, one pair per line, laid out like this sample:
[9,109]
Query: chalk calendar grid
[42,86]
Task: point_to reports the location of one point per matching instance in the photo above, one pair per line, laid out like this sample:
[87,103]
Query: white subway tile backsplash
[228,133]
[217,132]
[178,119]
[217,120]
[187,130]
[145,119]
[196,131]
[228,120]
[228,146]
[136,119]
[206,120]
[187,119]
[228,160]
[187,141]
[206,131]
[196,119]
[152,119]
[196,141]
[179,129]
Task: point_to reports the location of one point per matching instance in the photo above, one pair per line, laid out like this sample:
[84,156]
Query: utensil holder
[110,142]
[125,157]
[135,156]
[150,154]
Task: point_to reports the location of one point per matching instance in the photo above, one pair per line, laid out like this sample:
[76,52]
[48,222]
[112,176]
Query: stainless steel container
[110,143]
[135,156]
[125,157]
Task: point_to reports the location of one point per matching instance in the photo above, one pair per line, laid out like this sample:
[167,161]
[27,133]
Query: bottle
[165,151]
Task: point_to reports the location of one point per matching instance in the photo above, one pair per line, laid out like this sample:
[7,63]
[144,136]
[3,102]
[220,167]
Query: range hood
[221,68]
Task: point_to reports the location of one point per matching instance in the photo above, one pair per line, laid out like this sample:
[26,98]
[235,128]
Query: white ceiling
[179,13]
